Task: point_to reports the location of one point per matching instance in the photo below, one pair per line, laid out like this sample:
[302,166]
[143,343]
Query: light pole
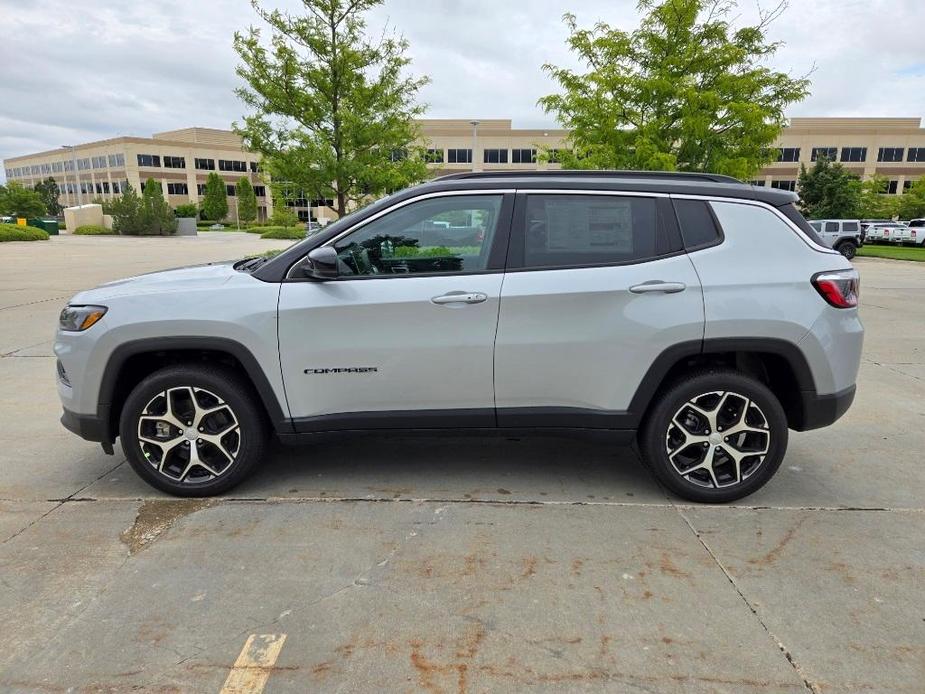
[76,179]
[475,141]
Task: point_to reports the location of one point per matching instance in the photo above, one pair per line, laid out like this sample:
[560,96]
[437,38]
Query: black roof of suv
[676,183]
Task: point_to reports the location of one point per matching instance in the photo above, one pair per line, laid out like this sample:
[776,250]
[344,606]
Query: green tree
[333,113]
[48,190]
[911,204]
[247,200]
[829,191]
[282,215]
[875,203]
[157,217]
[126,210]
[686,90]
[19,201]
[215,201]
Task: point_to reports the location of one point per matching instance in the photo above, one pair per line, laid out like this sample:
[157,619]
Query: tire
[702,467]
[228,437]
[848,249]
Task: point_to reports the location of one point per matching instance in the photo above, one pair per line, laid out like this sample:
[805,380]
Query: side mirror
[321,264]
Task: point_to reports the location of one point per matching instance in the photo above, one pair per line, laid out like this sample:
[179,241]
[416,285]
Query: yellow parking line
[251,670]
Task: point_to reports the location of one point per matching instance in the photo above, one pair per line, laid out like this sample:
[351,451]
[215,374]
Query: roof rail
[591,173]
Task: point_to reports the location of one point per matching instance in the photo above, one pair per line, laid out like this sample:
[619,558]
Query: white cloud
[76,71]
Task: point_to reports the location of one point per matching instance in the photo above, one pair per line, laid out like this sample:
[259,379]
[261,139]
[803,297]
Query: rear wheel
[192,431]
[849,249]
[716,436]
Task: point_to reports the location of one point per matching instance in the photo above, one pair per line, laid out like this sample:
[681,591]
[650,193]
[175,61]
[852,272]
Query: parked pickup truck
[888,232]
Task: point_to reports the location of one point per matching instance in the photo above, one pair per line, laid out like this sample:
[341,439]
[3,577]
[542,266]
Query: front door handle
[460,298]
[658,286]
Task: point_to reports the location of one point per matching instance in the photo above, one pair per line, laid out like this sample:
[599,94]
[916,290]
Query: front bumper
[90,427]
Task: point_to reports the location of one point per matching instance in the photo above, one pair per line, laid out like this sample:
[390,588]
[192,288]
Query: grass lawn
[893,252]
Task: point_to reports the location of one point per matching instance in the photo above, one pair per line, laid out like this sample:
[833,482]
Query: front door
[404,336]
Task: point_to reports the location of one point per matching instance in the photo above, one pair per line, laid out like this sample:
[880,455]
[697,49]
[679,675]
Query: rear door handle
[460,298]
[658,286]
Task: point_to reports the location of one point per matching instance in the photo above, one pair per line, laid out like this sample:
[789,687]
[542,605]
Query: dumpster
[50,226]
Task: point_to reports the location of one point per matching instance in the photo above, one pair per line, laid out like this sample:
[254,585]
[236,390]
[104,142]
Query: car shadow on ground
[454,467]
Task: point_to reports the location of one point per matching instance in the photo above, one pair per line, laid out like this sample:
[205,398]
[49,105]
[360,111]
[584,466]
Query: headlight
[77,318]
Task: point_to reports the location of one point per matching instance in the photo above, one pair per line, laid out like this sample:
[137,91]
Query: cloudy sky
[75,71]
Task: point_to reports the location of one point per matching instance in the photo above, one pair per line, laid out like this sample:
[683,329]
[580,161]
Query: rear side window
[793,214]
[698,228]
[849,226]
[578,230]
[831,226]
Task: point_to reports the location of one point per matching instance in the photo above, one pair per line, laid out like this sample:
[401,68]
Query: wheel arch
[132,361]
[777,363]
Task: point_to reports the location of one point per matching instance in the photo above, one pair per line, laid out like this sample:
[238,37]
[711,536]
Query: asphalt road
[455,564]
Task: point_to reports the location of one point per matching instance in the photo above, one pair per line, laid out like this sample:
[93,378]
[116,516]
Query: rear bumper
[89,427]
[822,410]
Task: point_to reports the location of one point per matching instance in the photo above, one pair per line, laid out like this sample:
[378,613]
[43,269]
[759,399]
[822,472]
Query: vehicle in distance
[917,231]
[887,232]
[698,315]
[844,235]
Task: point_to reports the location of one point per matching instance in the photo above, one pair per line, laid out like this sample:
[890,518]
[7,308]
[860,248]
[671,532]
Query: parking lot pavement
[386,563]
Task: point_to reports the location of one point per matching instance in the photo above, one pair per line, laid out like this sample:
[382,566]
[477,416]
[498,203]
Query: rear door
[597,287]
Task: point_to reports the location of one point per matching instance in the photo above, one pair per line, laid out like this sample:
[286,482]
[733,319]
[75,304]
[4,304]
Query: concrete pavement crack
[783,648]
[60,503]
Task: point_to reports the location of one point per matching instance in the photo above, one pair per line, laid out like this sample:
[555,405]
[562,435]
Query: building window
[232,165]
[68,165]
[854,153]
[890,154]
[892,187]
[260,191]
[149,160]
[916,154]
[303,215]
[205,164]
[435,156]
[106,187]
[116,187]
[459,156]
[495,156]
[830,153]
[784,184]
[398,154]
[788,154]
[230,189]
[99,188]
[757,182]
[116,160]
[57,166]
[255,167]
[523,156]
[174,162]
[200,189]
[322,202]
[177,189]
[82,165]
[99,162]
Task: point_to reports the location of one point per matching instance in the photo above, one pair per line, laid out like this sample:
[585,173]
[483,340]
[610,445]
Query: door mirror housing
[321,264]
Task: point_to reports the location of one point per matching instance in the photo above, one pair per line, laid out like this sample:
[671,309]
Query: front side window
[440,235]
[579,230]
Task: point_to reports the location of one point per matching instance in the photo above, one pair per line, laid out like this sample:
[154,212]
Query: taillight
[839,288]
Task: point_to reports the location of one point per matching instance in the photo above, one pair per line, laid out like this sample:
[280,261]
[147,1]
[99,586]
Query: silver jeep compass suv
[700,316]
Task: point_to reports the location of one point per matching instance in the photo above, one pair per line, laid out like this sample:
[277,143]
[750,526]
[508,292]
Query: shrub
[14,232]
[156,213]
[215,199]
[247,200]
[282,216]
[189,209]
[290,233]
[94,230]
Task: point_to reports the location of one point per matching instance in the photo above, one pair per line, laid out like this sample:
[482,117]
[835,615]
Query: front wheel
[848,249]
[192,431]
[715,436]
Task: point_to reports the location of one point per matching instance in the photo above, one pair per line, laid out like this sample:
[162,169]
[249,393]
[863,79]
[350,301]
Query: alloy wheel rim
[189,434]
[718,439]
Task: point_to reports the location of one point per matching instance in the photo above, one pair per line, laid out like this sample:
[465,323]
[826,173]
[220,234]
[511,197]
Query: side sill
[616,437]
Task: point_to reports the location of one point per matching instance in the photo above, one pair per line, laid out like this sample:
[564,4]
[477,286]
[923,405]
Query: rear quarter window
[793,214]
[698,227]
